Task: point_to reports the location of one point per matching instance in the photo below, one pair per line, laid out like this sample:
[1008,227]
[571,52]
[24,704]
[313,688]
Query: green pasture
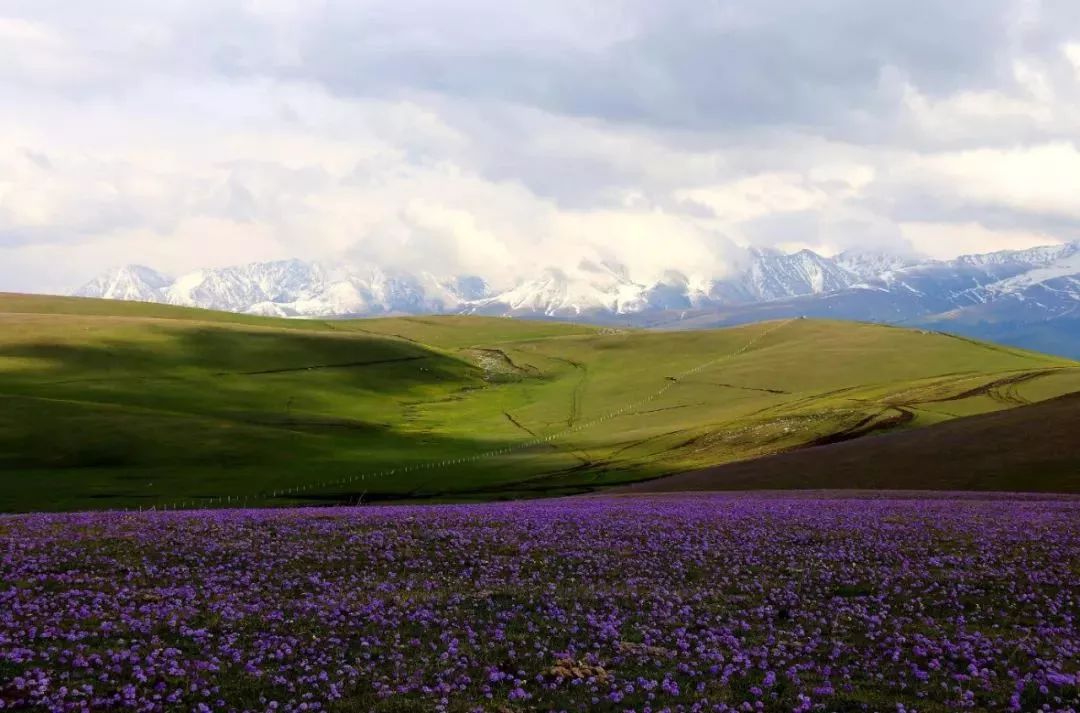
[114,404]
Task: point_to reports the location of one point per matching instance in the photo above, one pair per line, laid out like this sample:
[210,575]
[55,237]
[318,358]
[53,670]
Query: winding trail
[367,478]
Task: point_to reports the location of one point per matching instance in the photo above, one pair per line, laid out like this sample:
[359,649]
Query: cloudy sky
[496,136]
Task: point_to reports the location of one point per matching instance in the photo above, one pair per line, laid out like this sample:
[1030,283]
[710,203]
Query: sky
[498,137]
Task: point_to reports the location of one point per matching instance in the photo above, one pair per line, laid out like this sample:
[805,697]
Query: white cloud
[756,196]
[1072,53]
[1042,179]
[499,138]
[946,240]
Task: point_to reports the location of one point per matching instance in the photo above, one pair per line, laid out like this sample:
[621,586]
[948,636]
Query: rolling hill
[1028,448]
[121,404]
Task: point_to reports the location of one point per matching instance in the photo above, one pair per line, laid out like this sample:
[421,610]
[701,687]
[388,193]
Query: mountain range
[1028,298]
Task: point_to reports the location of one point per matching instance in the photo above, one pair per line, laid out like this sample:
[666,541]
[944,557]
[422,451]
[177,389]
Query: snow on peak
[868,265]
[135,283]
[1050,266]
[775,275]
[1038,256]
[554,293]
[295,288]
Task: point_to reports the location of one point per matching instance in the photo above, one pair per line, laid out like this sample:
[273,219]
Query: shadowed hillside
[1029,448]
[111,404]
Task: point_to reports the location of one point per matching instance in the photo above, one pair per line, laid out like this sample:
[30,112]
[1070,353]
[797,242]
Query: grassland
[1028,448]
[110,404]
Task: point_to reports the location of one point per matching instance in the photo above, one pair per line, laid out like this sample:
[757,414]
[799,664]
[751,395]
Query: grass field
[1028,448]
[112,404]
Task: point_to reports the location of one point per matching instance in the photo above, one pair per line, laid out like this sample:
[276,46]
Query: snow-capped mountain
[594,288]
[773,275]
[134,283]
[968,293]
[304,289]
[607,290]
[289,288]
[1028,298]
[872,265]
[241,288]
[1057,276]
[978,279]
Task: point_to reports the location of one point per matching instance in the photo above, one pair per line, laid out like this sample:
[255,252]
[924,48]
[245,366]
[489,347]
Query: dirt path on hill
[1027,448]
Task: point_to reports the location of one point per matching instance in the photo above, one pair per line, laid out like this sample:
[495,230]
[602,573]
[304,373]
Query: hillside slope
[1029,448]
[112,404]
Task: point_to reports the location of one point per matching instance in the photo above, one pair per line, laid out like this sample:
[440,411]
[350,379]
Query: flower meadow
[664,603]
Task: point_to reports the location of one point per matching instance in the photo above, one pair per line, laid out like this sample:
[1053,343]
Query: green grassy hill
[112,404]
[1030,448]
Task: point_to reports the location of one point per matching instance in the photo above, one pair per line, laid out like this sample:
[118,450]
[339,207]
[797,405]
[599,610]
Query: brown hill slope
[1030,448]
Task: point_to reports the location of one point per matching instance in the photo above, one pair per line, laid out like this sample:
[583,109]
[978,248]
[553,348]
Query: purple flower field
[673,603]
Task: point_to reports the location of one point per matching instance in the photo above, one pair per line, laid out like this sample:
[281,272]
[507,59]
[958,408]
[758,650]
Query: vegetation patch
[123,405]
[707,602]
